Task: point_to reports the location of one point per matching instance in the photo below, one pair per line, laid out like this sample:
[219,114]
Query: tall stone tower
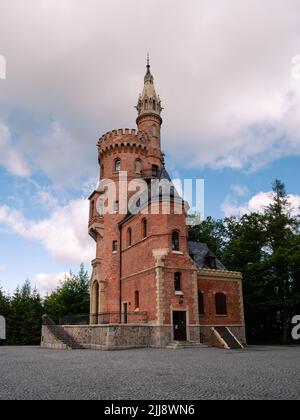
[136,152]
[147,274]
[151,285]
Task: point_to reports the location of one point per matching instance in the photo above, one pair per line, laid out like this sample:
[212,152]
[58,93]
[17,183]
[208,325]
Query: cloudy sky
[228,73]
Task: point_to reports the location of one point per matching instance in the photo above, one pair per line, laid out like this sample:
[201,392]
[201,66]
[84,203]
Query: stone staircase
[61,334]
[227,338]
[65,338]
[176,345]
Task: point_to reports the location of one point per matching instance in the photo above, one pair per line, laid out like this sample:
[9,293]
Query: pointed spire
[148,78]
[149,102]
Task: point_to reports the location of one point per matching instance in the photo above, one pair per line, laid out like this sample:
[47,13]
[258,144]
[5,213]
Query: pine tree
[25,315]
[70,298]
[283,262]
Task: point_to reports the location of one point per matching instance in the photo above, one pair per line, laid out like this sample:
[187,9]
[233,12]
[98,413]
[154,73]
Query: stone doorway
[179,323]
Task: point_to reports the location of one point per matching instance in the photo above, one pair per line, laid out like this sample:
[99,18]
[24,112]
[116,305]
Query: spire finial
[148,60]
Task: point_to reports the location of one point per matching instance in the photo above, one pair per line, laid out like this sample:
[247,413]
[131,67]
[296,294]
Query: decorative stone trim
[222,325]
[96,230]
[220,274]
[179,268]
[160,256]
[148,270]
[195,293]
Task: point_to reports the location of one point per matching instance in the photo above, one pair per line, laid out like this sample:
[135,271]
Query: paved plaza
[255,373]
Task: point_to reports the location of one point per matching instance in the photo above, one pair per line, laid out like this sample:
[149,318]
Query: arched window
[136,299]
[117,165]
[155,171]
[154,105]
[144,228]
[221,304]
[138,167]
[129,237]
[201,303]
[102,172]
[177,282]
[115,246]
[92,210]
[175,240]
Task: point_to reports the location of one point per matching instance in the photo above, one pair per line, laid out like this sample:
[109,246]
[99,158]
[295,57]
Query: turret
[149,109]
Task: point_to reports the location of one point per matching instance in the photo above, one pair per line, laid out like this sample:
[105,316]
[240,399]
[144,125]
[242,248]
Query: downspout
[120,273]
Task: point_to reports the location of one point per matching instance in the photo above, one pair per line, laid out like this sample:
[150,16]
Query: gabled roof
[200,251]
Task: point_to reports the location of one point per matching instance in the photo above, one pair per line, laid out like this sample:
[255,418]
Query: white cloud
[63,235]
[46,199]
[240,190]
[10,157]
[2,268]
[223,69]
[257,204]
[48,282]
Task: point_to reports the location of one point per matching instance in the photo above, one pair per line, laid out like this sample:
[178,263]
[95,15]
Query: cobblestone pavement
[255,373]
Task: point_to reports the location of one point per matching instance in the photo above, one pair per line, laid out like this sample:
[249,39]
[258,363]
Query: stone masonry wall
[111,337]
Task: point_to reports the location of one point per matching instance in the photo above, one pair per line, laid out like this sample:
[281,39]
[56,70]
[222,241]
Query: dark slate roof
[164,174]
[199,251]
[147,195]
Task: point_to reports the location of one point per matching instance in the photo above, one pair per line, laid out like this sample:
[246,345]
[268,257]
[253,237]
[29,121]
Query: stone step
[185,345]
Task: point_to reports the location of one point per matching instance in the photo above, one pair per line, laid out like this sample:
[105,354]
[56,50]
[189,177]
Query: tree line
[264,246]
[24,309]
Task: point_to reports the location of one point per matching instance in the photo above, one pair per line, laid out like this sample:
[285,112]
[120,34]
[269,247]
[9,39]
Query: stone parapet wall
[238,331]
[110,337]
[119,337]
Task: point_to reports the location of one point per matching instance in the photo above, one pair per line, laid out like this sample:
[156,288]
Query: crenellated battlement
[117,133]
[122,138]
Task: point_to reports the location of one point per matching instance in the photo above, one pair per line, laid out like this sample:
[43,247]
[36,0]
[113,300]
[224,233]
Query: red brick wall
[138,273]
[145,284]
[173,300]
[210,287]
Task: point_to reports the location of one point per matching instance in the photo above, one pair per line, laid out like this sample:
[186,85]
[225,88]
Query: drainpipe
[120,274]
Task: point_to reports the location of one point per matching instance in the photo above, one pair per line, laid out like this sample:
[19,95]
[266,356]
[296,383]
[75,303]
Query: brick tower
[138,154]
[146,272]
